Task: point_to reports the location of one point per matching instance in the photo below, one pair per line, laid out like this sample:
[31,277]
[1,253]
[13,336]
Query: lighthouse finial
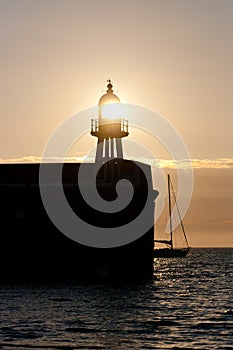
[109,86]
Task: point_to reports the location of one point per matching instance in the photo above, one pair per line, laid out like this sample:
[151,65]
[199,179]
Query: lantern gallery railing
[94,125]
[124,127]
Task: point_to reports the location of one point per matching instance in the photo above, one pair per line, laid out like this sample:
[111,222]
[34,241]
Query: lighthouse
[123,254]
[110,127]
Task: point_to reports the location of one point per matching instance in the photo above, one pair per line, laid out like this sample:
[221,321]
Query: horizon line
[195,163]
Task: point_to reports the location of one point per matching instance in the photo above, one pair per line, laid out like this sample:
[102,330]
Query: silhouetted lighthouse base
[34,250]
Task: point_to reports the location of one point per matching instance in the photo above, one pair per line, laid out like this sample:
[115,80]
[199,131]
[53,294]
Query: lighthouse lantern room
[109,127]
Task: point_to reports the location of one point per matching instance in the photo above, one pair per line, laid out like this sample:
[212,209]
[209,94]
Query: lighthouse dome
[109,97]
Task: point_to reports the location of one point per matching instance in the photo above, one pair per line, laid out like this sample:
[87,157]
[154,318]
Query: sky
[173,57]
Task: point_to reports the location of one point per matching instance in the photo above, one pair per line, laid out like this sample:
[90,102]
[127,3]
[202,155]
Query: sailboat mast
[170,210]
[181,222]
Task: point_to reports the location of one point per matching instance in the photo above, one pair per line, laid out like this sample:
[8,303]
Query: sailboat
[169,251]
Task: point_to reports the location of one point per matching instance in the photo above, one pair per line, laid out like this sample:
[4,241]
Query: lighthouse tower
[109,127]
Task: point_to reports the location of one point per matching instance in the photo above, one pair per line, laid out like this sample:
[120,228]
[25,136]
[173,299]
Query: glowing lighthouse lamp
[109,127]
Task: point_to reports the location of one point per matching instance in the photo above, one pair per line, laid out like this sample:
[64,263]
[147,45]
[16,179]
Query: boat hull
[170,253]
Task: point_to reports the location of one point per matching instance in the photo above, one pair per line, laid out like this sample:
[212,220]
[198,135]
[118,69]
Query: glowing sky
[174,57]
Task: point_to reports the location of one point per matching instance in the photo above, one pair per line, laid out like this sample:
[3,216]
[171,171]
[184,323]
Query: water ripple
[186,305]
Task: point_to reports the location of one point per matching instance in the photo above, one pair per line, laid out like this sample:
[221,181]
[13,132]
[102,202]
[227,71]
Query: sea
[187,304]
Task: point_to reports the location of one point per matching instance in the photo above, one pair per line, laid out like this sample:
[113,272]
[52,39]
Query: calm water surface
[187,304]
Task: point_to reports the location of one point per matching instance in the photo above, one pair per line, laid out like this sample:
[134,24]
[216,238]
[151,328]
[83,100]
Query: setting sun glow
[111,111]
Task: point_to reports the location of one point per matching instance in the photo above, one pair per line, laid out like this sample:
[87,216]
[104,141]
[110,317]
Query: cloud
[218,163]
[26,159]
[38,159]
[228,221]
